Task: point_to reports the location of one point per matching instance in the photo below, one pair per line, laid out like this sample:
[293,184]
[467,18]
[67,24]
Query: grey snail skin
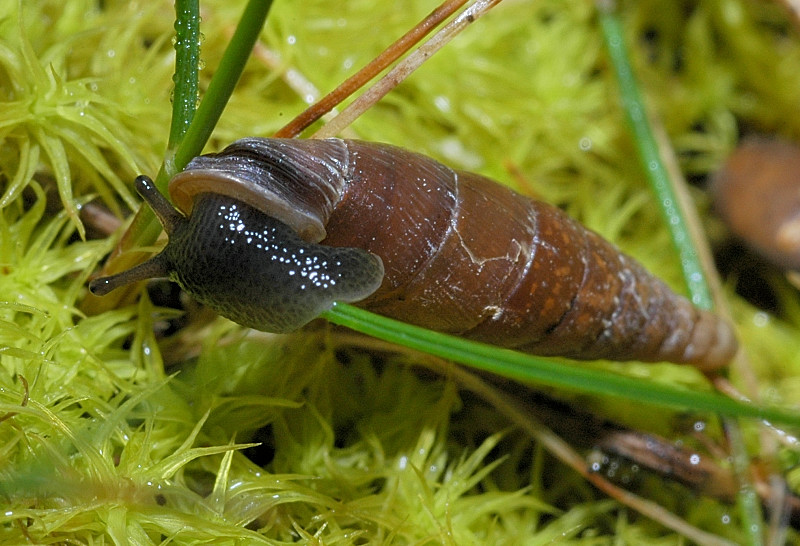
[281,283]
[405,236]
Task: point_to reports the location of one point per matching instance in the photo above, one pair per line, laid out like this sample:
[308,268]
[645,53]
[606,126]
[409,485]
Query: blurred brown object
[757,194]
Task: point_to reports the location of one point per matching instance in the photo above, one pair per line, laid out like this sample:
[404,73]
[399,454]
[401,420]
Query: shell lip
[186,185]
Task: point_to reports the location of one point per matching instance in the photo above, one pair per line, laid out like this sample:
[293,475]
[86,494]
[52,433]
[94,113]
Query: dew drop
[442,103]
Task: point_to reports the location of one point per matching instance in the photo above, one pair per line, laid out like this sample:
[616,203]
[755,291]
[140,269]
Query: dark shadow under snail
[410,238]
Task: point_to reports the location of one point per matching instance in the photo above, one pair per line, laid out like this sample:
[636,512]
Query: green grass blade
[187,59]
[693,271]
[527,368]
[650,158]
[223,82]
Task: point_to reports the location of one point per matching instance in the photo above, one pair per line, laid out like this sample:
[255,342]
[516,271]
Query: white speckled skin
[256,271]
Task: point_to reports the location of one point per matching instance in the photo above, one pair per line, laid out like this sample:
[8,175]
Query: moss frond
[79,121]
[110,432]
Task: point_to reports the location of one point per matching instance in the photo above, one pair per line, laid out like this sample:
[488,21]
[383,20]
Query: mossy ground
[113,434]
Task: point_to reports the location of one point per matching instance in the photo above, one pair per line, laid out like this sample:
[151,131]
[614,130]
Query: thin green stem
[187,142]
[747,500]
[652,161]
[543,371]
[679,225]
[187,58]
[222,84]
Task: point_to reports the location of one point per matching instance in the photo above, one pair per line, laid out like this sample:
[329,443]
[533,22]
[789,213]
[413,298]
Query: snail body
[444,249]
[247,266]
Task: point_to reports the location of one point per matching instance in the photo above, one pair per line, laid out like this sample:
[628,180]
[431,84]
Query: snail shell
[458,253]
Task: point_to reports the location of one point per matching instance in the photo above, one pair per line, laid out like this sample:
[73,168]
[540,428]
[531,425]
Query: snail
[407,237]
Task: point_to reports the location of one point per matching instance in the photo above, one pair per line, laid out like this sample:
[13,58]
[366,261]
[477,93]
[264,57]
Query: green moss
[110,434]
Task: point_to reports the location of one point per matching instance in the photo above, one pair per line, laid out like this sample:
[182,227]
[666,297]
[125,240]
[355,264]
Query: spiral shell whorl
[466,256]
[298,182]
